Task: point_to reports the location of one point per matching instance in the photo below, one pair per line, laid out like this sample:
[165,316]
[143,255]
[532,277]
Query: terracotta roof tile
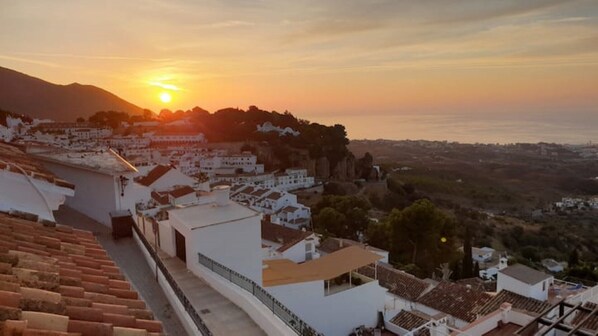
[409,321]
[64,283]
[517,301]
[285,236]
[396,281]
[456,300]
[154,175]
[181,191]
[592,322]
[34,169]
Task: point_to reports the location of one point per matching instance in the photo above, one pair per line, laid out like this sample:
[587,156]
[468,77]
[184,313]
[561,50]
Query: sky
[318,59]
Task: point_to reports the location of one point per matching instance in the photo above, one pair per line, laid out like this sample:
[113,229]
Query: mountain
[20,93]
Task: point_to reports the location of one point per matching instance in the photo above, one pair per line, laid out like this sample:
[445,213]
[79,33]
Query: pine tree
[467,270]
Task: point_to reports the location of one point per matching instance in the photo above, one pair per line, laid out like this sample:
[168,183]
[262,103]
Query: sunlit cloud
[165,86]
[309,56]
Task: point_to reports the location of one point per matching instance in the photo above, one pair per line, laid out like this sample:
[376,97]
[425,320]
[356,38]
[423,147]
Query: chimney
[221,195]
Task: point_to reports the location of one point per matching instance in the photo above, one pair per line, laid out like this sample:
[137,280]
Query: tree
[422,235]
[148,115]
[574,258]
[80,119]
[476,269]
[354,210]
[330,221]
[378,235]
[364,166]
[467,270]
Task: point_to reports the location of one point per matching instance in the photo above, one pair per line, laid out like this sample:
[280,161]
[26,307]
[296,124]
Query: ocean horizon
[503,129]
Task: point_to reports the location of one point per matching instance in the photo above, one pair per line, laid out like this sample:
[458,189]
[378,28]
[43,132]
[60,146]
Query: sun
[165,97]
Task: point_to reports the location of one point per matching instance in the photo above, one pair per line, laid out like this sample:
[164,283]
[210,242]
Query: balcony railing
[199,323]
[286,315]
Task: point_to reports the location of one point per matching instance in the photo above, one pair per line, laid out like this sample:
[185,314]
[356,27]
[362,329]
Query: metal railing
[282,312]
[199,323]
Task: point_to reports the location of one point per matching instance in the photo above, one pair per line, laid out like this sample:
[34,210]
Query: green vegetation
[341,216]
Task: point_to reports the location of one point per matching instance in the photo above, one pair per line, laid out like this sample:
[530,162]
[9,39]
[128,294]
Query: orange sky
[316,58]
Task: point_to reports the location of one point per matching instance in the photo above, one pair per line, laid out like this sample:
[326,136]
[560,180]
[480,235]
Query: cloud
[31,61]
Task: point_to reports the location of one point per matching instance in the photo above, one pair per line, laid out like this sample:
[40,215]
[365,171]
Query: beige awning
[283,271]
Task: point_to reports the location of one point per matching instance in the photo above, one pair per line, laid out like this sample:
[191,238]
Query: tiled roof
[181,191]
[260,192]
[456,300]
[517,301]
[14,157]
[285,236]
[274,196]
[409,321]
[525,274]
[479,284]
[398,282]
[246,190]
[160,199]
[58,281]
[591,323]
[289,208]
[154,175]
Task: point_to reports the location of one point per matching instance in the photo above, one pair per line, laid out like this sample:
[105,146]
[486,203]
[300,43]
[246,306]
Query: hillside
[37,98]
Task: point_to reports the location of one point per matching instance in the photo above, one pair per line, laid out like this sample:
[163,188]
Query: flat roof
[104,161]
[284,272]
[202,215]
[525,274]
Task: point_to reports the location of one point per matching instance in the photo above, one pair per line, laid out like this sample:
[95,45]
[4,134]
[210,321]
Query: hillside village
[216,218]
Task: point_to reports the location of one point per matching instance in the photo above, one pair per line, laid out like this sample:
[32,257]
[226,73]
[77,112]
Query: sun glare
[165,97]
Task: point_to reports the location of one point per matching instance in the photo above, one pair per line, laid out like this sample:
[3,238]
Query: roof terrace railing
[199,323]
[282,312]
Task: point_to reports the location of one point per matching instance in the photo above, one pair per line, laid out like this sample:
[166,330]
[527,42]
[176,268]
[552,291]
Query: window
[307,247]
[543,286]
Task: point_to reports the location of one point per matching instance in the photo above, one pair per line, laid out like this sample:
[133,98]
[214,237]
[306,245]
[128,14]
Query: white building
[294,178]
[282,206]
[268,127]
[490,271]
[163,177]
[26,187]
[177,138]
[103,180]
[482,255]
[128,141]
[89,133]
[553,266]
[279,242]
[326,292]
[296,216]
[524,281]
[266,180]
[224,231]
[244,163]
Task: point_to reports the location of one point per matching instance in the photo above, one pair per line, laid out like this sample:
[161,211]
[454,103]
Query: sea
[565,128]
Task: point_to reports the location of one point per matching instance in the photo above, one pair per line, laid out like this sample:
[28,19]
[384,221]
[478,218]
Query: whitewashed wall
[95,193]
[171,178]
[537,291]
[236,245]
[17,193]
[348,309]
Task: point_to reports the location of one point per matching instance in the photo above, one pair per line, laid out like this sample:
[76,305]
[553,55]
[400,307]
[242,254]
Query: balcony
[345,282]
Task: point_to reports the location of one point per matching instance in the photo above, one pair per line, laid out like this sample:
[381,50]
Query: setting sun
[165,97]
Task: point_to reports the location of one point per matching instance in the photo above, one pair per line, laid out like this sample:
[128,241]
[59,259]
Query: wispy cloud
[30,61]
